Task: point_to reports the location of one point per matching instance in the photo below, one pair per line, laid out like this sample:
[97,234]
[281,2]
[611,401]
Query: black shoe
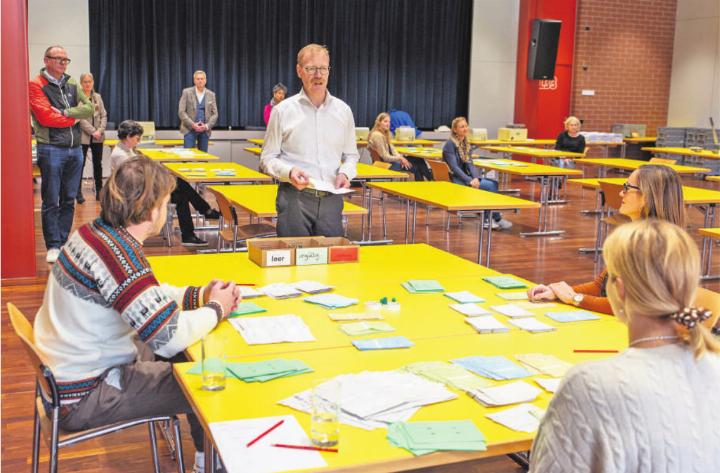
[212,214]
[80,199]
[193,240]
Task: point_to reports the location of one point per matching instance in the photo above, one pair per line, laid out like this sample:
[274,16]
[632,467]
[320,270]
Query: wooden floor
[541,259]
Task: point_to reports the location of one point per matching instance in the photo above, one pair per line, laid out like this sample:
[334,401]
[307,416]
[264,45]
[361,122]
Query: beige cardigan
[98,122]
[187,109]
[378,143]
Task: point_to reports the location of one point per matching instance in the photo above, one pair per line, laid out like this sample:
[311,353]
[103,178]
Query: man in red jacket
[57,103]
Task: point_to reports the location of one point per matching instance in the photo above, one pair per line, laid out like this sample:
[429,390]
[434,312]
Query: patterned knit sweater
[100,296]
[646,410]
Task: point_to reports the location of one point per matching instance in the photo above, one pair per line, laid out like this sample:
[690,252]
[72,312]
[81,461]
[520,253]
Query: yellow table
[712,178]
[362,143]
[640,139]
[705,153]
[193,154]
[207,173]
[418,152]
[709,234]
[451,198]
[528,142]
[550,178]
[533,153]
[633,164]
[162,143]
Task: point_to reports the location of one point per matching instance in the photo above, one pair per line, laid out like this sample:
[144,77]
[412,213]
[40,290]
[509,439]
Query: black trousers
[97,155]
[182,197]
[301,213]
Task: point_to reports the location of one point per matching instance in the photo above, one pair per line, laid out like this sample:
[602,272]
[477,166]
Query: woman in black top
[569,140]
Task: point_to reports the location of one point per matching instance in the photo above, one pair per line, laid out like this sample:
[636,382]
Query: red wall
[18,233]
[540,105]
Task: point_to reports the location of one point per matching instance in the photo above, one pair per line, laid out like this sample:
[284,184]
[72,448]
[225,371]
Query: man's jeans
[60,169]
[196,140]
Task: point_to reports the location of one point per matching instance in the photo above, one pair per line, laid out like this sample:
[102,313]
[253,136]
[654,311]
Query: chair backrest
[382,164]
[662,161]
[710,300]
[25,333]
[228,221]
[612,194]
[440,170]
[374,155]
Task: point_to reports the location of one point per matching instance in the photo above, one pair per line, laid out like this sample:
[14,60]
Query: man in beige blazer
[198,113]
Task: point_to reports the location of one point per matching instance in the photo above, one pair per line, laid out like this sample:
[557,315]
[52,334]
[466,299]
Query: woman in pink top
[279,92]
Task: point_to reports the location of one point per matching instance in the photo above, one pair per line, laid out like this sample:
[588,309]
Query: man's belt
[315,192]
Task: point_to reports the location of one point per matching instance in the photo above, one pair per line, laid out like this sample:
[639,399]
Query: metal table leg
[546,184]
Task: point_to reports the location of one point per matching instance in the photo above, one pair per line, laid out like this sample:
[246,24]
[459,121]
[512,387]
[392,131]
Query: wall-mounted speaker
[542,51]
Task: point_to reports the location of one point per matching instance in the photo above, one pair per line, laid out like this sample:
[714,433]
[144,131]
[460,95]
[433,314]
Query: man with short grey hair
[198,113]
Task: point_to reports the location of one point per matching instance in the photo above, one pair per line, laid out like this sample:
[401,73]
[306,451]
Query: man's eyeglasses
[61,60]
[627,186]
[313,70]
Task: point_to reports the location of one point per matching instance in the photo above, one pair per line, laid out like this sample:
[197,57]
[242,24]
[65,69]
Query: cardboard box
[301,251]
[270,252]
[512,134]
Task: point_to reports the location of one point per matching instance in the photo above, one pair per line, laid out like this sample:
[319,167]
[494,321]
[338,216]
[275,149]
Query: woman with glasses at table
[651,191]
[381,147]
[651,407]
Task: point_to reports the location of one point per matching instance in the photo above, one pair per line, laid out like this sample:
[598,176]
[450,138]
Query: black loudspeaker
[542,51]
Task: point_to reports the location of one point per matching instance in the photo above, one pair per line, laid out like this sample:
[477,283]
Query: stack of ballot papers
[511,393]
[486,324]
[507,162]
[448,374]
[505,282]
[513,296]
[275,329]
[383,343]
[248,292]
[464,297]
[420,438]
[312,287]
[511,310]
[546,364]
[375,399]
[422,286]
[260,370]
[354,316]
[224,172]
[366,328]
[493,367]
[331,301]
[246,308]
[531,324]
[232,436]
[549,384]
[523,418]
[572,316]
[470,310]
[279,291]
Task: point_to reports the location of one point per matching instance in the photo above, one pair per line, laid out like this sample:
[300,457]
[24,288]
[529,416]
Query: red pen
[595,351]
[305,447]
[244,284]
[265,433]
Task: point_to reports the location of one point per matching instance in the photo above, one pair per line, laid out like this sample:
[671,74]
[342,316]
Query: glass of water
[325,414]
[213,362]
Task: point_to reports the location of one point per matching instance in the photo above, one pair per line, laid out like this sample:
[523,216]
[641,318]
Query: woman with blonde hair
[649,408]
[380,145]
[651,191]
[569,140]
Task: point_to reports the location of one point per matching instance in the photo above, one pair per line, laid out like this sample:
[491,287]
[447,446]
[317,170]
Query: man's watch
[577,299]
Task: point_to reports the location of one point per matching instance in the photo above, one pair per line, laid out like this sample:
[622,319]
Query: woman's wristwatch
[577,299]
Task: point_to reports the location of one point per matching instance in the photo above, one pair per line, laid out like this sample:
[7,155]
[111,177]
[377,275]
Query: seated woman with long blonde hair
[651,407]
[380,144]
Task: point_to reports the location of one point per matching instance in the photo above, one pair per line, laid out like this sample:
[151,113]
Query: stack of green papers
[420,438]
[260,370]
[246,308]
[448,374]
[422,286]
[504,282]
[366,328]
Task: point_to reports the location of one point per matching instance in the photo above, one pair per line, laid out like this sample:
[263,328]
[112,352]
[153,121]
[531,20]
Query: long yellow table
[208,173]
[187,155]
[527,142]
[709,234]
[704,153]
[632,164]
[163,143]
[452,198]
[640,139]
[712,178]
[533,153]
[362,143]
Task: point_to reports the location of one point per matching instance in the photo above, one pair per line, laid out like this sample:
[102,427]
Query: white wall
[492,67]
[695,80]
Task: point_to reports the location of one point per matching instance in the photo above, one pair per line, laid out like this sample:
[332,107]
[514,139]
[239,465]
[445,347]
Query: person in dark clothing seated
[569,140]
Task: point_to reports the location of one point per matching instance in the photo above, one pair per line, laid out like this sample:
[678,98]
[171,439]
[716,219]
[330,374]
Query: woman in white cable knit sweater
[652,408]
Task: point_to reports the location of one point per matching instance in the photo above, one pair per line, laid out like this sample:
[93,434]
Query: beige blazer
[98,122]
[187,109]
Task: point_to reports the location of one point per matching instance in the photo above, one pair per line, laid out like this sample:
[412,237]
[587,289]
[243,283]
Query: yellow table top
[713,233]
[705,153]
[424,153]
[367,171]
[202,172]
[632,164]
[691,195]
[453,197]
[164,143]
[712,178]
[254,150]
[525,169]
[534,152]
[528,142]
[259,200]
[641,139]
[157,154]
[415,142]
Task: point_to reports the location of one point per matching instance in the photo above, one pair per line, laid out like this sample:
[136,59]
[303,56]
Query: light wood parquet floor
[541,259]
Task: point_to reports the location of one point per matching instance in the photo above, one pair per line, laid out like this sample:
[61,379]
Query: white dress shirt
[200,95]
[318,140]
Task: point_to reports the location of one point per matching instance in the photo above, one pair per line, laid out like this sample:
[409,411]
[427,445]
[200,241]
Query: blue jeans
[489,185]
[196,140]
[60,169]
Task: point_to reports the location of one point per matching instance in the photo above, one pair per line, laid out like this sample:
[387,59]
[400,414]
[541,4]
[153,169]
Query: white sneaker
[199,466]
[52,255]
[505,224]
[495,225]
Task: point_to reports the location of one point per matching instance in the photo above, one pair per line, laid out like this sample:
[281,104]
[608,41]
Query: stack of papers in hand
[374,399]
[464,297]
[511,310]
[354,316]
[279,291]
[449,374]
[260,370]
[365,328]
[248,292]
[511,393]
[523,418]
[275,329]
[312,287]
[422,286]
[533,325]
[572,316]
[546,364]
[493,367]
[513,296]
[505,282]
[384,343]
[331,301]
[470,310]
[246,308]
[486,324]
[549,384]
[420,438]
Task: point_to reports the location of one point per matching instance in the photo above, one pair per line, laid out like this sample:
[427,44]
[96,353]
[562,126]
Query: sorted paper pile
[280,291]
[246,308]
[523,418]
[470,309]
[260,370]
[331,301]
[504,282]
[248,292]
[422,286]
[312,287]
[275,329]
[572,316]
[511,393]
[464,297]
[531,324]
[511,310]
[513,296]
[420,438]
[383,343]
[354,316]
[493,367]
[366,328]
[547,364]
[448,374]
[486,324]
[549,384]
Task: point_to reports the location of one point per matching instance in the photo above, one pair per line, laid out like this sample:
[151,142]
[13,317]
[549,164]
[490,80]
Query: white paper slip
[280,291]
[531,324]
[248,292]
[547,364]
[312,287]
[511,393]
[523,418]
[527,305]
[548,384]
[319,185]
[470,310]
[464,297]
[273,329]
[231,438]
[486,324]
[511,310]
[354,316]
[513,296]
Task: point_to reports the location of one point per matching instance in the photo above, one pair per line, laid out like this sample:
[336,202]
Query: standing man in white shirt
[310,146]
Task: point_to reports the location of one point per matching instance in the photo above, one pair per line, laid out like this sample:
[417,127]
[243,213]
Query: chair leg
[54,435]
[168,436]
[178,446]
[153,446]
[36,442]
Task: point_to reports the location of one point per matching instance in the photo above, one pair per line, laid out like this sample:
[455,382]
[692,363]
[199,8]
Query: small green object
[384,301]
[394,300]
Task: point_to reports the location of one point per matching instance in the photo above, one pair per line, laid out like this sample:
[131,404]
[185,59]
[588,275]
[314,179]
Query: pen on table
[244,284]
[595,351]
[305,447]
[250,443]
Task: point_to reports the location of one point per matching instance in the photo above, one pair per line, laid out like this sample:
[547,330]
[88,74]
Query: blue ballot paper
[572,316]
[493,367]
[383,343]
